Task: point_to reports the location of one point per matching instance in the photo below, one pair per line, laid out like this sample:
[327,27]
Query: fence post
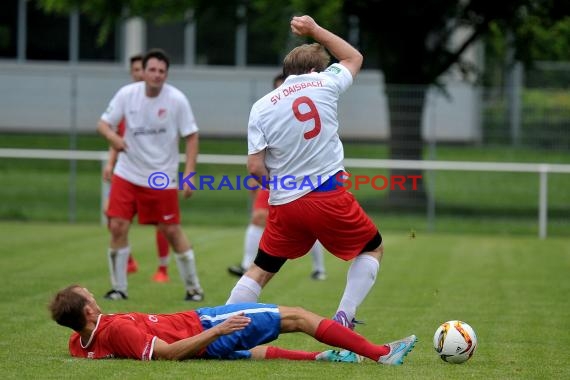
[105,188]
[73,147]
[543,202]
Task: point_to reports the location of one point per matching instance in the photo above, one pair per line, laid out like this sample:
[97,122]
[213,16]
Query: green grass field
[512,289]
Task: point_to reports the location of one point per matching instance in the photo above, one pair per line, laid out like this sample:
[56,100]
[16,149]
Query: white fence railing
[540,168]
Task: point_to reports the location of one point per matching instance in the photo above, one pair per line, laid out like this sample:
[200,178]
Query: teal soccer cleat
[343,356]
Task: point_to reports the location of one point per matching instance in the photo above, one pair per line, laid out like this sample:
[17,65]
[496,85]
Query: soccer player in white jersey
[156,116]
[161,275]
[293,134]
[259,213]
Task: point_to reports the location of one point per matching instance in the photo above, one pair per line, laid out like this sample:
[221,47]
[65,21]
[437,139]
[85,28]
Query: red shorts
[334,218]
[261,199]
[152,206]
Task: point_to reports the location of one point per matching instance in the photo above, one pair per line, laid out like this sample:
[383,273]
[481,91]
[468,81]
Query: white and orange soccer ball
[455,342]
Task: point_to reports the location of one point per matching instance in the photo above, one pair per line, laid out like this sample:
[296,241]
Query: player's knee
[267,262]
[300,318]
[375,247]
[118,227]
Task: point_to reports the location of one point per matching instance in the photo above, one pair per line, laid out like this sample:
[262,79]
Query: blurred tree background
[414,43]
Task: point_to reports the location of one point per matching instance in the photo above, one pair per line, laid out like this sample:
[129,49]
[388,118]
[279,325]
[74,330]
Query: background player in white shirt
[161,275]
[156,116]
[293,131]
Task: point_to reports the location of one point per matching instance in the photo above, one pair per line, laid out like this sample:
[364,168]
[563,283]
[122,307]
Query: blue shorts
[264,327]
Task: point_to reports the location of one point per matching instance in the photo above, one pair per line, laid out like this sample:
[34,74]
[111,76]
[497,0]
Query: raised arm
[347,55]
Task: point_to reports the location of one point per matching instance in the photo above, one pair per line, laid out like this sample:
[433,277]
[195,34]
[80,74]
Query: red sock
[334,334]
[281,353]
[161,244]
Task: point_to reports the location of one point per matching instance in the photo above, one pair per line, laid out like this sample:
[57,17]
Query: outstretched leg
[296,319]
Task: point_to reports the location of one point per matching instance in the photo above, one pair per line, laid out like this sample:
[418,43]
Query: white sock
[245,290]
[187,269]
[163,261]
[251,244]
[318,257]
[360,278]
[118,259]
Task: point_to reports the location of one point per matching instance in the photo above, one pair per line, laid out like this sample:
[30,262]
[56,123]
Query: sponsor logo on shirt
[148,131]
[162,113]
[333,69]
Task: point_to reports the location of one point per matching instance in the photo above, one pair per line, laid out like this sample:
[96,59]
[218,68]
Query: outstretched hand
[233,323]
[303,25]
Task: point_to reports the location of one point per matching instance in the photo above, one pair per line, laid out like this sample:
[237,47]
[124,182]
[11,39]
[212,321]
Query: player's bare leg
[118,256]
[184,259]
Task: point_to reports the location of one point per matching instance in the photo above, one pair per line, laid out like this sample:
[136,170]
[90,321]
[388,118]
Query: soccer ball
[455,342]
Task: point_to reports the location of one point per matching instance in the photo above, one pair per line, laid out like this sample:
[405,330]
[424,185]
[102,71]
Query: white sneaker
[398,350]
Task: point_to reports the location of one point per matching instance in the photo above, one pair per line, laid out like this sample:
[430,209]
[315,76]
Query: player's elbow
[256,167]
[359,58]
[353,63]
[103,128]
[356,63]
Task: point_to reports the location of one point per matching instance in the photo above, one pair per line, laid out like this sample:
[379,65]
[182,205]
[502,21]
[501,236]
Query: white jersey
[153,127]
[297,124]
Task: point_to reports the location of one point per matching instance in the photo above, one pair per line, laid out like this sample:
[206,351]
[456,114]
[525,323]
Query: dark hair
[158,54]
[67,308]
[279,78]
[136,57]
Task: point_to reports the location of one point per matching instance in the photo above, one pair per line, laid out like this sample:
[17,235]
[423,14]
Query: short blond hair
[305,58]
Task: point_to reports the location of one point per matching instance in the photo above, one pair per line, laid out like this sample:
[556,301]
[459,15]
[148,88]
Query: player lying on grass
[222,332]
